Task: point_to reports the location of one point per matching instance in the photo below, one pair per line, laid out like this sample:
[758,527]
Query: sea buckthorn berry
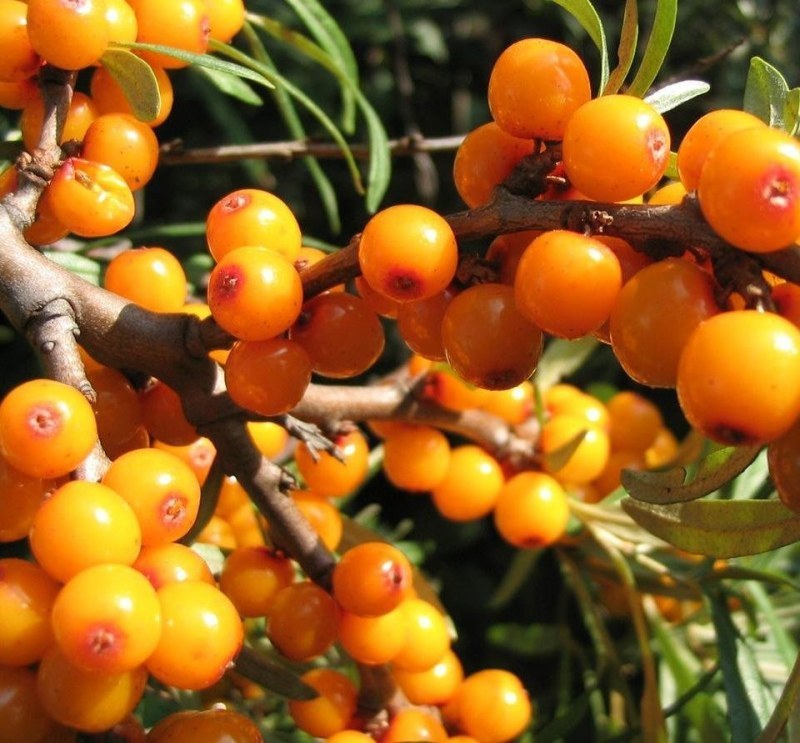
[201,633]
[663,450]
[219,533]
[372,640]
[615,148]
[349,736]
[565,399]
[47,428]
[427,637]
[420,324]
[82,112]
[334,477]
[445,388]
[704,135]
[15,96]
[532,510]
[372,578]
[414,724]
[121,22]
[84,524]
[341,334]
[22,497]
[27,594]
[535,87]
[303,621]
[752,200]
[408,252]
[634,421]
[738,377]
[46,229]
[331,711]
[470,486]
[107,619]
[488,342]
[172,563]
[199,455]
[182,24]
[251,216]
[514,405]
[609,479]
[109,97]
[656,312]
[589,457]
[484,160]
[505,252]
[255,293]
[493,706]
[379,303]
[783,457]
[163,414]
[225,17]
[324,517]
[91,199]
[117,410]
[252,577]
[248,526]
[71,35]
[126,144]
[268,377]
[670,193]
[436,686]
[160,488]
[20,61]
[567,283]
[416,458]
[22,717]
[786,297]
[90,701]
[269,438]
[152,277]
[205,726]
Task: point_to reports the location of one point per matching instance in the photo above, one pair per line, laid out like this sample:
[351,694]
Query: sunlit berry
[329,712]
[331,476]
[532,510]
[71,35]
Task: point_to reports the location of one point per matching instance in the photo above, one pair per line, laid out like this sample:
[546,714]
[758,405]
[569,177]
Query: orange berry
[84,524]
[334,477]
[414,724]
[20,61]
[420,324]
[252,578]
[163,414]
[670,193]
[535,87]
[749,189]
[118,411]
[46,229]
[225,18]
[182,24]
[427,637]
[47,428]
[27,594]
[170,563]
[437,685]
[615,147]
[407,252]
[71,34]
[379,303]
[737,377]
[199,455]
[514,405]
[372,578]
[23,495]
[565,399]
[416,458]
[109,97]
[205,726]
[121,22]
[151,277]
[16,96]
[219,532]
[487,340]
[590,456]
[250,216]
[532,510]
[201,633]
[783,456]
[331,711]
[634,421]
[160,488]
[471,485]
[22,717]
[324,517]
[82,112]
[372,640]
[505,252]
[269,438]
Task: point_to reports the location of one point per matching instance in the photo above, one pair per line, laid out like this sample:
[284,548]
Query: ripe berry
[205,726]
[634,421]
[19,61]
[182,24]
[437,685]
[171,563]
[225,18]
[414,724]
[427,637]
[82,112]
[420,324]
[118,411]
[407,252]
[151,277]
[110,98]
[71,34]
[532,510]
[121,22]
[416,458]
[535,87]
[615,147]
[47,428]
[23,496]
[589,457]
[163,415]
[372,640]
[334,477]
[331,711]
[22,717]
[252,578]
[323,516]
[470,486]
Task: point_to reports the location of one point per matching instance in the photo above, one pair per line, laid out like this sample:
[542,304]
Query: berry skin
[535,87]
[82,112]
[615,148]
[749,189]
[47,428]
[107,619]
[414,724]
[416,458]
[109,97]
[783,457]
[250,216]
[70,34]
[182,24]
[171,563]
[324,517]
[19,61]
[22,717]
[436,686]
[200,636]
[121,22]
[205,726]
[120,424]
[163,415]
[488,342]
[151,277]
[334,477]
[252,577]
[331,711]
[532,510]
[484,160]
[567,283]
[268,377]
[420,324]
[737,377]
[255,293]
[371,579]
[587,460]
[633,422]
[407,252]
[471,485]
[372,640]
[225,18]
[427,638]
[84,524]
[23,495]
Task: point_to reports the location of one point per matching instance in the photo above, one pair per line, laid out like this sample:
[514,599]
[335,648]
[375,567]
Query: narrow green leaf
[272,675]
[78,264]
[678,485]
[779,634]
[719,528]
[765,93]
[748,484]
[231,85]
[749,704]
[657,47]
[672,96]
[562,358]
[585,13]
[626,51]
[791,113]
[137,80]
